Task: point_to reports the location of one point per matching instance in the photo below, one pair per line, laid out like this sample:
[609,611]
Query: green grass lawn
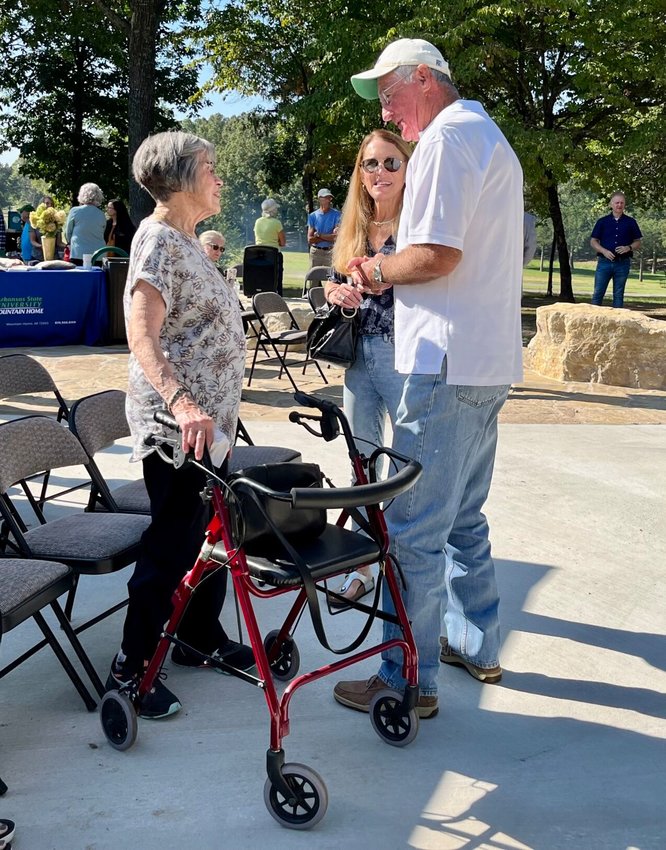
[651,289]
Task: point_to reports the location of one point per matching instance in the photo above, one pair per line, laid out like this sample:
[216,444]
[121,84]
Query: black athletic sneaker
[159,703]
[235,654]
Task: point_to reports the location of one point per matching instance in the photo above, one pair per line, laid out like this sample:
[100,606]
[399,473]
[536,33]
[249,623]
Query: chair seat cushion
[91,543]
[244,456]
[27,585]
[335,551]
[289,337]
[132,497]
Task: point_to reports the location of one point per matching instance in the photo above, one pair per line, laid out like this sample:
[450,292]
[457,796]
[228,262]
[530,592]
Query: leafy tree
[75,106]
[569,81]
[300,57]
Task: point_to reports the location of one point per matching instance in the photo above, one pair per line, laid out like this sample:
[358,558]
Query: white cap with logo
[404,51]
[324,193]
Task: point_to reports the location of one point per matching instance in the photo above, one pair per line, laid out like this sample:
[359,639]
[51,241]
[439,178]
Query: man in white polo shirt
[457,283]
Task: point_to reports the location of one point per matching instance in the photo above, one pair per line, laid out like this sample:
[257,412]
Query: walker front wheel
[308,804]
[119,720]
[390,721]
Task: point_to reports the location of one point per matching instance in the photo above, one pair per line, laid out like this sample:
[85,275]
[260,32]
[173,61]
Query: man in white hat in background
[322,229]
[457,283]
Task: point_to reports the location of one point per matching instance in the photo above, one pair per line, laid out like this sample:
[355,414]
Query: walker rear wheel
[119,720]
[309,803]
[390,721]
[288,659]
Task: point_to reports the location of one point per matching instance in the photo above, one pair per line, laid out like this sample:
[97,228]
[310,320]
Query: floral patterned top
[202,335]
[376,310]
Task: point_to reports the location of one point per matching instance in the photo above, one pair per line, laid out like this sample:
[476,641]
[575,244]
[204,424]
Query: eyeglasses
[391,163]
[219,248]
[384,98]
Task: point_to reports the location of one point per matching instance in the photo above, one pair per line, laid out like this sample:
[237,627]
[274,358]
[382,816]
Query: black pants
[169,548]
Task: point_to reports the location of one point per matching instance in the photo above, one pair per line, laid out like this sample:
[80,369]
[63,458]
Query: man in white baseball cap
[456,277]
[401,53]
[322,229]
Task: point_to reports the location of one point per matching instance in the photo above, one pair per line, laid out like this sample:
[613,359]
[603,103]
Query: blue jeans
[372,389]
[438,531]
[607,269]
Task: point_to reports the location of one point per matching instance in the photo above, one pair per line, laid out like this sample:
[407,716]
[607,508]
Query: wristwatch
[377,271]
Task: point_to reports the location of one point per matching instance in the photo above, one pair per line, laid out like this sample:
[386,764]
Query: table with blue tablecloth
[53,307]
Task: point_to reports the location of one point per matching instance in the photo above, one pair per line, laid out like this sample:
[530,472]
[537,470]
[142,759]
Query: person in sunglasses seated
[212,241]
[369,226]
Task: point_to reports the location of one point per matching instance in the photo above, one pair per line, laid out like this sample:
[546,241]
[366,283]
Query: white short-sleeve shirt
[464,190]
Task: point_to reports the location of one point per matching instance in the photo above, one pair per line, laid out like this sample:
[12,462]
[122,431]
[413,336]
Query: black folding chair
[265,304]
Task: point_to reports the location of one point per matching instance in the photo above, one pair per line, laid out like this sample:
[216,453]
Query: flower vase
[49,247]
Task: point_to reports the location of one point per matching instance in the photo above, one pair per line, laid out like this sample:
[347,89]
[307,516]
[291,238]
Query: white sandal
[367,583]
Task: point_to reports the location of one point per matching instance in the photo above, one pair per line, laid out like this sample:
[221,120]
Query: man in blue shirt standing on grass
[615,237]
[322,229]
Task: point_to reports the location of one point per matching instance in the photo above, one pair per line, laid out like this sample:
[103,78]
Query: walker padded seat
[335,551]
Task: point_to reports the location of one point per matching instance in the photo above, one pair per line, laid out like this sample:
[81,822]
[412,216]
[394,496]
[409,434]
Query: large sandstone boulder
[600,345]
[277,322]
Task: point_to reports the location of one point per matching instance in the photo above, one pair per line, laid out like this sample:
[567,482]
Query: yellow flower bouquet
[48,220]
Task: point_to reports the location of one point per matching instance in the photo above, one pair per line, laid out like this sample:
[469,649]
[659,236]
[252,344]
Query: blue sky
[233,104]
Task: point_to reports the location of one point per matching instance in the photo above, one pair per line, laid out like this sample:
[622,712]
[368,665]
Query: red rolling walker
[304,551]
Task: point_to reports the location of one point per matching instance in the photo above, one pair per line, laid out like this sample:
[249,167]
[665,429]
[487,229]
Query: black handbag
[332,336]
[261,514]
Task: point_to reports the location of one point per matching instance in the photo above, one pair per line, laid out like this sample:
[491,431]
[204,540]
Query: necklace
[168,221]
[380,223]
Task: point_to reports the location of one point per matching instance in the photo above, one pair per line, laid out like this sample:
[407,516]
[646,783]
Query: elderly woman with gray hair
[268,230]
[188,356]
[84,228]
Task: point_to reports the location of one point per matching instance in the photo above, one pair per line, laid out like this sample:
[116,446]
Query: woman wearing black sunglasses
[369,226]
[212,241]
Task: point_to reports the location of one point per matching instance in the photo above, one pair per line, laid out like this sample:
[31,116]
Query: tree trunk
[77,123]
[654,261]
[640,270]
[308,177]
[142,49]
[551,261]
[566,290]
[541,260]
[571,260]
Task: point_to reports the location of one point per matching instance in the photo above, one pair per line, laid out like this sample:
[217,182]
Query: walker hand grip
[165,419]
[357,497]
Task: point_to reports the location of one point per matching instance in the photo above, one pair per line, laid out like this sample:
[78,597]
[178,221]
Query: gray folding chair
[317,298]
[23,376]
[26,588]
[89,543]
[264,304]
[314,278]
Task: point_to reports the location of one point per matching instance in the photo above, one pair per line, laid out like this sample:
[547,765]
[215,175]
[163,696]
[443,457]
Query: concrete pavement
[567,752]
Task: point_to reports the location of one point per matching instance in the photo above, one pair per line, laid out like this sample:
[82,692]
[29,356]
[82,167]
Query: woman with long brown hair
[369,226]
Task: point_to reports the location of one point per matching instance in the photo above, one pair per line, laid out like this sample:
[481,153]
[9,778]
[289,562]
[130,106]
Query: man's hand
[361,272]
[622,249]
[609,255]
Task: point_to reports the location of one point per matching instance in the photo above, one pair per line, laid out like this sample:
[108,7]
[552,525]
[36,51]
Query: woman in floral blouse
[188,356]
